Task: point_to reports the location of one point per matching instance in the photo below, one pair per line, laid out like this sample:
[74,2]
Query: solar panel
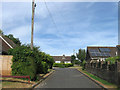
[99,54]
[104,49]
[106,54]
[94,50]
[93,54]
[102,54]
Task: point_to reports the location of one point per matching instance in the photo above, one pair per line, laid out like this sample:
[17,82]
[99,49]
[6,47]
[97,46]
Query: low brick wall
[5,64]
[112,76]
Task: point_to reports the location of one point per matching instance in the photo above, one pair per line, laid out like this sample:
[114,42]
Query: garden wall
[5,64]
[110,73]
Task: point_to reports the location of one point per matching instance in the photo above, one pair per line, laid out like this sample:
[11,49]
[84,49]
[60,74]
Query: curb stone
[33,86]
[93,80]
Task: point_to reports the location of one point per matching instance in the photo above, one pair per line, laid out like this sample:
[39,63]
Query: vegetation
[107,84]
[1,32]
[11,37]
[73,57]
[62,65]
[15,40]
[112,60]
[30,62]
[77,62]
[98,79]
[81,54]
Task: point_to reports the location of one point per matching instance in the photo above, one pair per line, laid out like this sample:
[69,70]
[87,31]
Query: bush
[112,60]
[29,63]
[68,65]
[83,64]
[62,65]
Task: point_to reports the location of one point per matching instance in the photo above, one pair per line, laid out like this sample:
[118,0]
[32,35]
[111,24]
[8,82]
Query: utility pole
[32,27]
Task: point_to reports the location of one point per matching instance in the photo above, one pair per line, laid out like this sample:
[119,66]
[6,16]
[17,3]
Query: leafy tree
[112,60]
[77,62]
[81,54]
[15,40]
[1,32]
[73,57]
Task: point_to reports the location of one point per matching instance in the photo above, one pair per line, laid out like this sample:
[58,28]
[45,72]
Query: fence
[110,73]
[5,64]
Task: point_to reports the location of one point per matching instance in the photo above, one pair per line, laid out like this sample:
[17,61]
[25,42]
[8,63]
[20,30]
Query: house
[118,50]
[98,53]
[5,44]
[62,59]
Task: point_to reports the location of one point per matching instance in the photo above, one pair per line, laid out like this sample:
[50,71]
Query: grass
[99,80]
[7,84]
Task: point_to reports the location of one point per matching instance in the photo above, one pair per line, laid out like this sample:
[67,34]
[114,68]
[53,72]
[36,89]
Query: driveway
[67,78]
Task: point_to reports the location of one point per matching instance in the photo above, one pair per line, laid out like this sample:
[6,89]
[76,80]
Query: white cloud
[73,31]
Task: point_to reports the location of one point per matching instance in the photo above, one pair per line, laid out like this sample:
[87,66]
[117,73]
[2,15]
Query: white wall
[57,61]
[67,61]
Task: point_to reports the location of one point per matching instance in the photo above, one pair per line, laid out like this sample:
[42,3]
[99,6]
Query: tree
[15,40]
[73,57]
[81,54]
[1,32]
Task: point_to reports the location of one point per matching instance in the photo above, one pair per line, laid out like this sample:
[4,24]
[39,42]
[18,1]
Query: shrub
[112,60]
[62,65]
[29,63]
[68,65]
[83,64]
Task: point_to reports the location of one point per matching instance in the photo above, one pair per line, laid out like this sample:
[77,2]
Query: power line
[53,20]
[51,15]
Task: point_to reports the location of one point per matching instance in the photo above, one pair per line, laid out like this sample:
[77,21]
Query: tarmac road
[67,78]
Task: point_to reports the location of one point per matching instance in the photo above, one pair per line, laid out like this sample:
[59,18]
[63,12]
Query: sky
[65,26]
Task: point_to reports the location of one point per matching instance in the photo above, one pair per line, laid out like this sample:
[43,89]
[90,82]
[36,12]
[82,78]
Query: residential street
[67,78]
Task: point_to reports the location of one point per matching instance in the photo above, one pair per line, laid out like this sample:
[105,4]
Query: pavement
[67,78]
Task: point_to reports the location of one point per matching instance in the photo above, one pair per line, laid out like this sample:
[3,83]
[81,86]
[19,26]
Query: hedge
[62,65]
[27,62]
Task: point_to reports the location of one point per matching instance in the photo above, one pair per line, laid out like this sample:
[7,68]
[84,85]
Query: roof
[62,58]
[6,43]
[9,41]
[101,51]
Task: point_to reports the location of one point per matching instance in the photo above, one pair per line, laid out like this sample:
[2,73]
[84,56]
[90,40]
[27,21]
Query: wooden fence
[5,64]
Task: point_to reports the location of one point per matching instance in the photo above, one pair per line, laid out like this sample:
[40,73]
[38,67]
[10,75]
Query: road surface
[67,78]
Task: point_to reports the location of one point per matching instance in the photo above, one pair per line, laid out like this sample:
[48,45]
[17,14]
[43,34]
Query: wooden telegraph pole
[32,27]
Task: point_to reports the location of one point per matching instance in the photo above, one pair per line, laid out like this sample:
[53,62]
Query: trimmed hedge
[62,65]
[68,65]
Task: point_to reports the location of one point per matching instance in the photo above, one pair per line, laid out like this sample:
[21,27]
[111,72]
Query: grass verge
[102,82]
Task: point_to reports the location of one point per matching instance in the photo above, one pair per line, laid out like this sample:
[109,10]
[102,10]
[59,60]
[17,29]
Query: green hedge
[68,65]
[27,62]
[62,65]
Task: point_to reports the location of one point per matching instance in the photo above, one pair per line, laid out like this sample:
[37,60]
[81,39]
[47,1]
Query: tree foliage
[73,57]
[15,40]
[112,60]
[30,62]
[1,32]
[81,54]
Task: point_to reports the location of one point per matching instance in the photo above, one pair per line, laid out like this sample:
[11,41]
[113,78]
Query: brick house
[5,45]
[62,59]
[98,53]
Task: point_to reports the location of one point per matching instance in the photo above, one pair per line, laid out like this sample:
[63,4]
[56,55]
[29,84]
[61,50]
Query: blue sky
[78,25]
